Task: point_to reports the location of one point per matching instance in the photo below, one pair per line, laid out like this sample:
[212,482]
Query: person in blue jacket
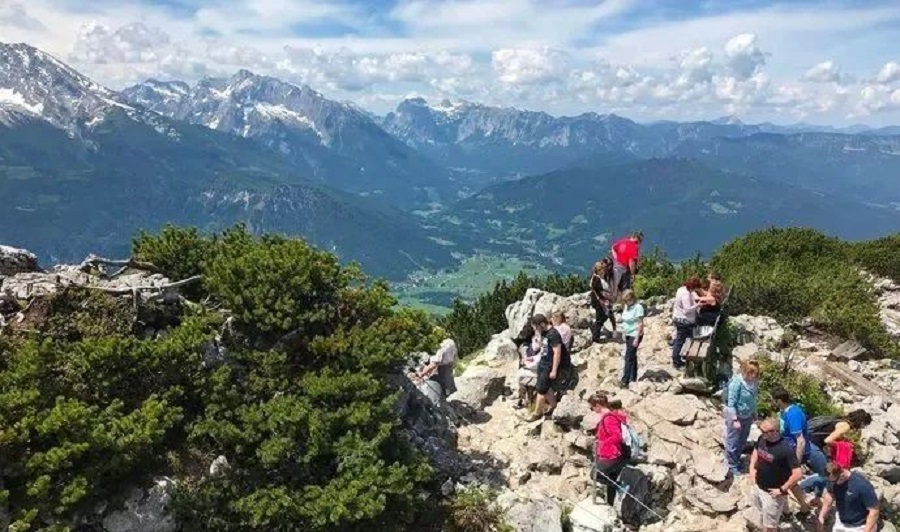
[796,431]
[740,413]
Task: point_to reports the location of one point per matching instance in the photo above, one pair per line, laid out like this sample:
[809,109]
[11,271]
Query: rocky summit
[541,468]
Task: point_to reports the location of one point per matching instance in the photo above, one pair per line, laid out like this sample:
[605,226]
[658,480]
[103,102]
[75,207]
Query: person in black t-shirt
[857,501]
[774,469]
[552,370]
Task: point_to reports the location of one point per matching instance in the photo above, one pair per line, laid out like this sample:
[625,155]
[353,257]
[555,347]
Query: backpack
[820,427]
[632,446]
[633,496]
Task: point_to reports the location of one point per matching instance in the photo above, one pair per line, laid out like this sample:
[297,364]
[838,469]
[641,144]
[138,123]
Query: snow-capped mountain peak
[33,82]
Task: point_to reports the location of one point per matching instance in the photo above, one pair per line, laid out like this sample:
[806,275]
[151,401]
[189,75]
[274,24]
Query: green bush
[309,426]
[881,256]
[475,510]
[790,274]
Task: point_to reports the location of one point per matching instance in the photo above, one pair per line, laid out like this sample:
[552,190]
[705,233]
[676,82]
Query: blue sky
[821,62]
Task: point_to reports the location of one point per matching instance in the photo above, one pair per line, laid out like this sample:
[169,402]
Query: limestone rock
[590,517]
[479,387]
[219,466]
[14,261]
[501,348]
[709,466]
[571,411]
[762,330]
[543,456]
[711,500]
[145,511]
[539,514]
[693,385]
[676,409]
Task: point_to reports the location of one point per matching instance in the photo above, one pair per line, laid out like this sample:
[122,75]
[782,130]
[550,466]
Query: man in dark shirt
[774,469]
[553,368]
[857,502]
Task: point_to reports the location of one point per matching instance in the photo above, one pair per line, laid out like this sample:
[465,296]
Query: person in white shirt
[684,314]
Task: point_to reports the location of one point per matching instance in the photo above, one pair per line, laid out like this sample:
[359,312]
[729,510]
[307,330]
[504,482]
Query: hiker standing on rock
[602,297]
[609,458]
[856,500]
[553,368]
[626,254]
[633,329]
[775,471]
[528,370]
[684,315]
[740,413]
[796,432]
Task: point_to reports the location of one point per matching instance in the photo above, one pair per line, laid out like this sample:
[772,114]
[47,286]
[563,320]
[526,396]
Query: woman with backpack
[741,398]
[832,435]
[609,456]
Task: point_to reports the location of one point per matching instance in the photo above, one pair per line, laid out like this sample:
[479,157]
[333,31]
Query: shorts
[544,384]
[841,527]
[767,509]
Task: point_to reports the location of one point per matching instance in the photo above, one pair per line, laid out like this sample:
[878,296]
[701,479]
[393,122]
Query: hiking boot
[535,416]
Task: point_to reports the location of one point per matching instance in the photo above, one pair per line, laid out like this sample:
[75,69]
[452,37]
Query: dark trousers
[601,315]
[607,472]
[683,331]
[630,371]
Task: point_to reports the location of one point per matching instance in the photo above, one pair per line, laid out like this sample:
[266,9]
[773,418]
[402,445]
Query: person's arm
[801,447]
[870,499]
[839,431]
[640,332]
[427,370]
[827,502]
[752,470]
[557,356]
[796,477]
[872,519]
[632,266]
[734,390]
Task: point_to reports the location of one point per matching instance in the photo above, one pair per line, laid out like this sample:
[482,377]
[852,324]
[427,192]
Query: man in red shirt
[626,253]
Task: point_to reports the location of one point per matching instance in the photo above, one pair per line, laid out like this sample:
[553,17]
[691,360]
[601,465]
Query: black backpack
[632,508]
[820,427]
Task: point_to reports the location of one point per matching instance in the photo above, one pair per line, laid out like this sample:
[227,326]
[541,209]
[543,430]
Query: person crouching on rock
[439,369]
[740,412]
[609,459]
[633,329]
[553,368]
[775,471]
[528,370]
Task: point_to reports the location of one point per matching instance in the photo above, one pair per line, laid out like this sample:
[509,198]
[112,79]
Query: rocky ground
[541,468]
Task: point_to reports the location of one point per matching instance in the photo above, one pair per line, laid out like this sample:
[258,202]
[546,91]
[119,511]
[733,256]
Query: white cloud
[525,67]
[744,58]
[889,73]
[562,55]
[13,14]
[824,72]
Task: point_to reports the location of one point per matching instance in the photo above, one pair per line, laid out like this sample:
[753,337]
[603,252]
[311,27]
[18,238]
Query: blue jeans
[630,371]
[683,331]
[816,460]
[735,439]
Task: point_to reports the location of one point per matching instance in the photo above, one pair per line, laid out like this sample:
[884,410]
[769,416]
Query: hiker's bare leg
[801,498]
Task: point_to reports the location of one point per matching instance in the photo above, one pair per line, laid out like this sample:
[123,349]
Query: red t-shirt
[626,251]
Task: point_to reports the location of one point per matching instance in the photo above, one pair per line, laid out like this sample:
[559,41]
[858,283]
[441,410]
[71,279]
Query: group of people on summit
[786,444]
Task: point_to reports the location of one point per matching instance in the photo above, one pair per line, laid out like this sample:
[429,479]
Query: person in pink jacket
[610,456]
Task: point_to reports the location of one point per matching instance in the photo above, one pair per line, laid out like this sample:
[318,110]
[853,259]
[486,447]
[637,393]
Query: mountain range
[82,167]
